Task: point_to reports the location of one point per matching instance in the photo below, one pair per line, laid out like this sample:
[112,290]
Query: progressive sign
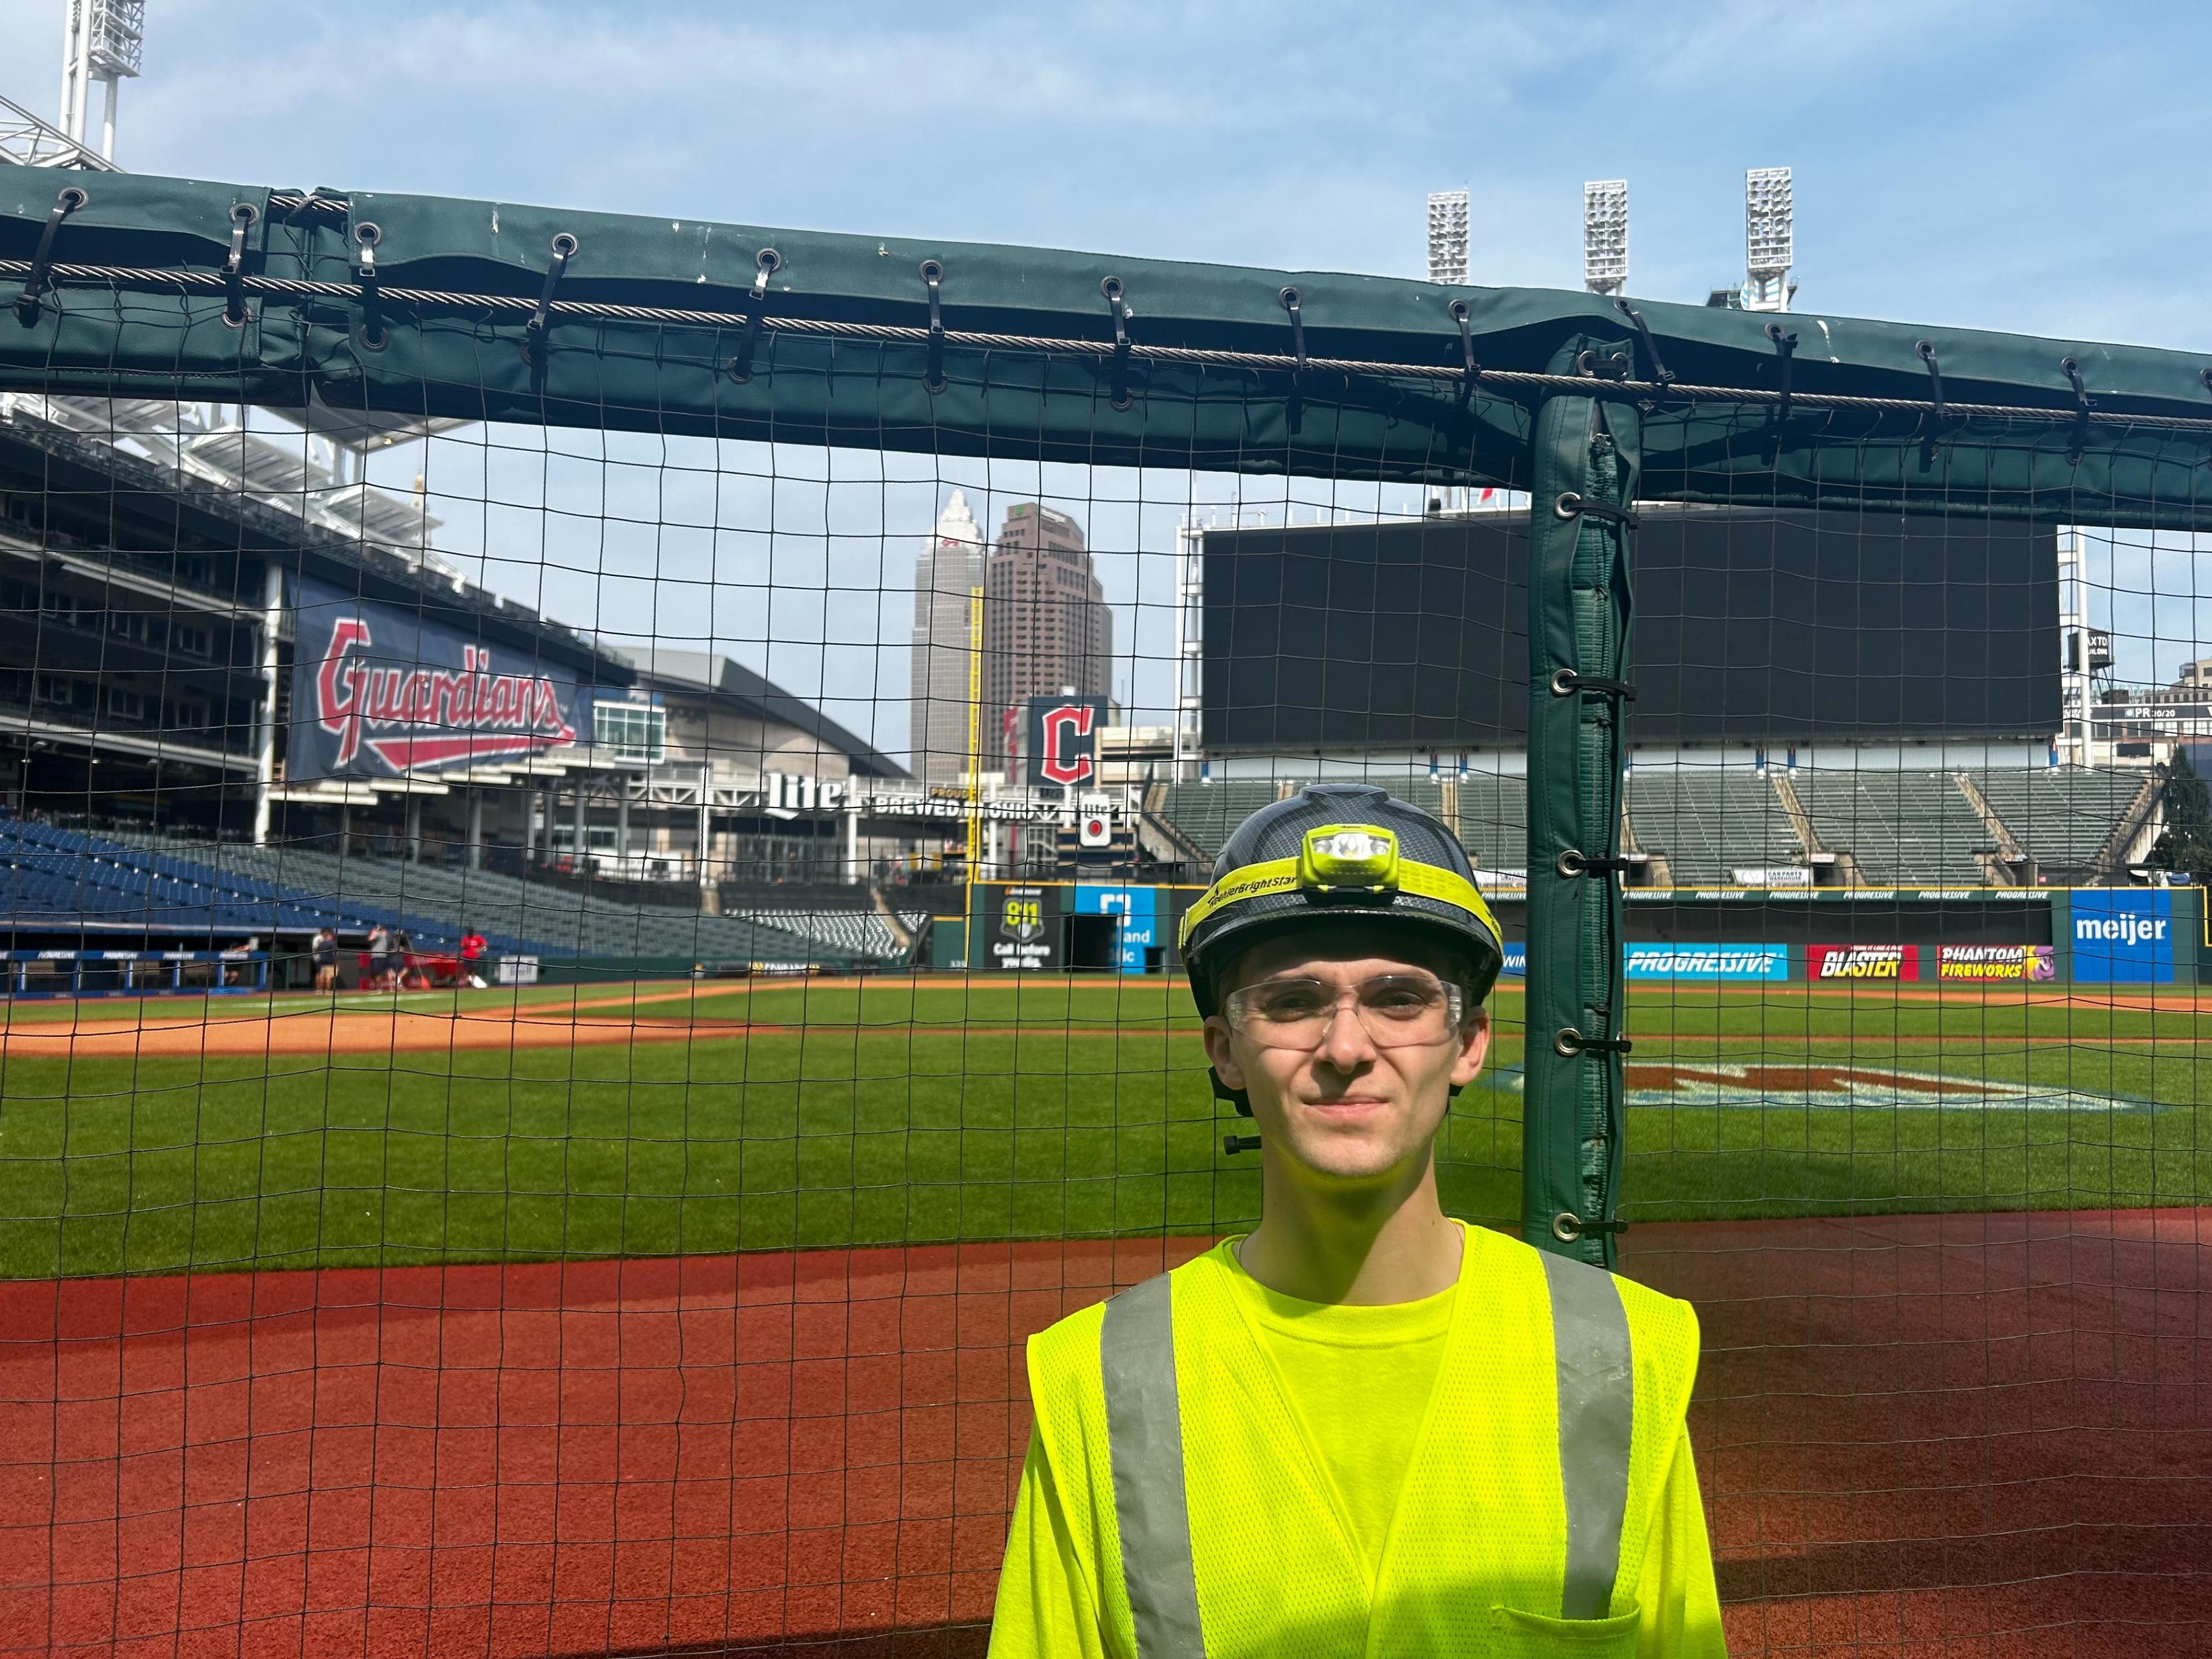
[382,692]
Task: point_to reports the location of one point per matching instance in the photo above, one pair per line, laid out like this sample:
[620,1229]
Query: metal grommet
[244,213]
[1568,1042]
[1569,863]
[1569,505]
[2205,376]
[1564,681]
[239,321]
[1567,1227]
[71,199]
[368,233]
[932,271]
[1111,287]
[1289,299]
[1925,348]
[1459,310]
[368,342]
[564,245]
[768,260]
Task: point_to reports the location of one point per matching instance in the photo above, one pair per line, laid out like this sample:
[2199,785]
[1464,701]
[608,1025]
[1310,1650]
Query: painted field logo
[1863,961]
[1800,1087]
[2035,963]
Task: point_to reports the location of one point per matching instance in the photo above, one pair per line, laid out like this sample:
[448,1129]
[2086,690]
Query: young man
[1363,1429]
[323,953]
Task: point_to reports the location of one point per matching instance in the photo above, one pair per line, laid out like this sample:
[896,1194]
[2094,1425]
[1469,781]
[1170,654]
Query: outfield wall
[1952,935]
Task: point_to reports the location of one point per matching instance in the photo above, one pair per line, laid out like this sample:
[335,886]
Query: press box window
[634,733]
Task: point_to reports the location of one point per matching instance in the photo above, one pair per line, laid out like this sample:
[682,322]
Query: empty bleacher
[1493,820]
[1709,822]
[1899,826]
[437,902]
[2061,816]
[1206,812]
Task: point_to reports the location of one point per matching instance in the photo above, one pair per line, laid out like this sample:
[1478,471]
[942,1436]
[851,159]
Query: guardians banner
[379,691]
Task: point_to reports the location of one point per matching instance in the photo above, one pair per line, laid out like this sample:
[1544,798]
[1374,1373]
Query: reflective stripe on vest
[1143,1435]
[1597,1376]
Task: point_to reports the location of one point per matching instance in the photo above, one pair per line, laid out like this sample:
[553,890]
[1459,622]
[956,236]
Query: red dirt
[1987,1435]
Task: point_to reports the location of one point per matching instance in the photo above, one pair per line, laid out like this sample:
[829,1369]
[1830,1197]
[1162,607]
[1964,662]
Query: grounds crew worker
[1363,1430]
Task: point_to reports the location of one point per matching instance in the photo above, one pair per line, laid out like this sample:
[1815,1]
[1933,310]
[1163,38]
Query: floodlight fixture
[1767,239]
[1447,211]
[1605,236]
[102,40]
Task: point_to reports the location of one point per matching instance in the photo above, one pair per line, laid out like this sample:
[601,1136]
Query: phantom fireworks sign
[379,691]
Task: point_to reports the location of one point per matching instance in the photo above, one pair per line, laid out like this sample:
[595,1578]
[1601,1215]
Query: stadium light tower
[101,42]
[1605,236]
[1448,236]
[1767,225]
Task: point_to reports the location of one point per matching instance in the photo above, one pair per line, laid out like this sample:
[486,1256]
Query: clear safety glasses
[1397,1011]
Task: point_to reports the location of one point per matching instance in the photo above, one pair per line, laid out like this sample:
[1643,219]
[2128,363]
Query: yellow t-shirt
[1359,1379]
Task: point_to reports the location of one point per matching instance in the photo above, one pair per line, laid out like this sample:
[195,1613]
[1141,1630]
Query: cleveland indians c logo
[1067,758]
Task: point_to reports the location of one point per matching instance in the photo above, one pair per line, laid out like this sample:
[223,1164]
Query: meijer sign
[2124,935]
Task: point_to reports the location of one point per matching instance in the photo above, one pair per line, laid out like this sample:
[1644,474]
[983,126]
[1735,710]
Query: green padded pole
[1586,455]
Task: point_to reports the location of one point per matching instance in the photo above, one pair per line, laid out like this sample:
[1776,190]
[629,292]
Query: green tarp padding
[126,337]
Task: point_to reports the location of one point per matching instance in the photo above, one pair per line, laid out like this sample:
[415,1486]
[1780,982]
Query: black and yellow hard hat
[1336,852]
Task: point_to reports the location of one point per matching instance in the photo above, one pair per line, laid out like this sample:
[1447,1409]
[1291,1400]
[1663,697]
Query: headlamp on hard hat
[1358,856]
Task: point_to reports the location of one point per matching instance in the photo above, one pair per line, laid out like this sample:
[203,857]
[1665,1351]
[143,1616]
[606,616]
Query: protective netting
[750,1004]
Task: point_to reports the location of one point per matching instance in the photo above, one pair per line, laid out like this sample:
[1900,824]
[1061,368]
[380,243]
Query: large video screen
[1749,624]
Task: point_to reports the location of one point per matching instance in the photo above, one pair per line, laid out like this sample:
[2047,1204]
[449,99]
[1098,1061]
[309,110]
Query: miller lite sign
[1063,740]
[380,691]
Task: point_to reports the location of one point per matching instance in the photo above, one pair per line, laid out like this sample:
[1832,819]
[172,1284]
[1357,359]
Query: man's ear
[1220,1053]
[1474,1049]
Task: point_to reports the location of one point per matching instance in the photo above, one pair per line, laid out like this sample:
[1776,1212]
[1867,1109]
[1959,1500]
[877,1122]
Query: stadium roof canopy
[753,694]
[481,310]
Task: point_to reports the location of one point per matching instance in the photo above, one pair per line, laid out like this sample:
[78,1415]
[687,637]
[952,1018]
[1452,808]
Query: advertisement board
[1137,910]
[1517,960]
[1063,740]
[1021,927]
[2034,964]
[1833,961]
[2124,935]
[380,691]
[1730,962]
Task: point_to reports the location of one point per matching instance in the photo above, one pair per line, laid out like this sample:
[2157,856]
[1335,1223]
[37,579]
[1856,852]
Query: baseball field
[614,1318]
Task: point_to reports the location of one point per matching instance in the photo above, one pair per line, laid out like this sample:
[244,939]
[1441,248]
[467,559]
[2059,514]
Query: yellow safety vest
[1523,1524]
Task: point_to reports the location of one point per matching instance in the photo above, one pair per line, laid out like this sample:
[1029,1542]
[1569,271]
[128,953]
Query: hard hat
[1338,853]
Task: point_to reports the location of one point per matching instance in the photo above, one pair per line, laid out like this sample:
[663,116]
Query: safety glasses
[1397,1011]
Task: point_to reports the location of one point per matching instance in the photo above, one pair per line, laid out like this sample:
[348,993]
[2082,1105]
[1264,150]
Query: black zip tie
[1233,1145]
[1660,372]
[1573,504]
[243,216]
[1570,1042]
[1567,1227]
[766,264]
[1934,420]
[1573,862]
[1565,683]
[533,334]
[366,236]
[2072,371]
[1117,371]
[1292,302]
[67,201]
[933,373]
[1462,315]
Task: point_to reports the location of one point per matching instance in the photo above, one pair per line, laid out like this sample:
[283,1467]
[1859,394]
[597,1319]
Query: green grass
[957,1111]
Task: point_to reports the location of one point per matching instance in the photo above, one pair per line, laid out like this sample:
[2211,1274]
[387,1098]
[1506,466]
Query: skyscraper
[1046,622]
[949,568]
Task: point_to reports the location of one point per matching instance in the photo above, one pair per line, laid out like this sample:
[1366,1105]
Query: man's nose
[1345,1044]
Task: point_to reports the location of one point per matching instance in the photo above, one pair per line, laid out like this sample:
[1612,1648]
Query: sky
[2023,165]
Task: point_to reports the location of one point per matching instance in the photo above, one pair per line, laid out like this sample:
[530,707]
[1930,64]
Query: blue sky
[2025,166]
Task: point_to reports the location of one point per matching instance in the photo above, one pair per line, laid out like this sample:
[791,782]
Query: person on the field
[323,953]
[379,957]
[1364,1428]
